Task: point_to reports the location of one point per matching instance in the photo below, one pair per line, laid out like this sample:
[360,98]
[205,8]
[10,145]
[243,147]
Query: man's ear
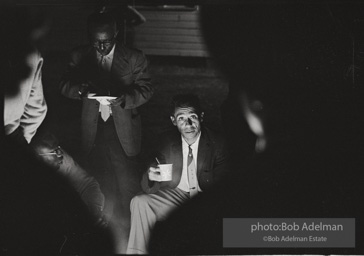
[173,120]
[201,116]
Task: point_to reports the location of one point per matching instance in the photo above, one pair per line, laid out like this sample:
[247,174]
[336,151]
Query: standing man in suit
[111,129]
[199,159]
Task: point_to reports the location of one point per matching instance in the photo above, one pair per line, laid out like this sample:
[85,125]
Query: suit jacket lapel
[177,160]
[203,152]
[120,64]
[119,68]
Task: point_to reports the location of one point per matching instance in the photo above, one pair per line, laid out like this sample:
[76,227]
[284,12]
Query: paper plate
[104,100]
[102,97]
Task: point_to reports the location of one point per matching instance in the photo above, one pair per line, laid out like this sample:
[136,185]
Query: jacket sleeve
[147,185]
[83,183]
[35,108]
[141,90]
[222,160]
[72,78]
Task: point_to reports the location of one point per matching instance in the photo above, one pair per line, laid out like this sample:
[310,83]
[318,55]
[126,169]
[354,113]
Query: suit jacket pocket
[205,179]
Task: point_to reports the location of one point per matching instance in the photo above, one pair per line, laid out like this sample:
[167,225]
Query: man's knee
[140,202]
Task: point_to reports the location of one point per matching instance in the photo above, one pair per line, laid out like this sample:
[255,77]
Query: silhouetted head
[286,63]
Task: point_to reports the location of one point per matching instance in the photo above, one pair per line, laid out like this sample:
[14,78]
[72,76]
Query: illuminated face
[188,123]
[52,156]
[102,38]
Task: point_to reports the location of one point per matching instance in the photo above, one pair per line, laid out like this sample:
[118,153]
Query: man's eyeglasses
[105,43]
[58,152]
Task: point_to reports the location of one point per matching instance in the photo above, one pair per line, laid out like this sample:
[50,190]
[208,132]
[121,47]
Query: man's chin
[190,132]
[190,135]
[103,53]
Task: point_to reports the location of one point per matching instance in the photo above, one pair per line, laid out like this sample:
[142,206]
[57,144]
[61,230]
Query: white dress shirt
[183,184]
[105,63]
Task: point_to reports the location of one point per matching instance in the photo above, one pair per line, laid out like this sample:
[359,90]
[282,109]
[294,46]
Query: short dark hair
[186,100]
[100,19]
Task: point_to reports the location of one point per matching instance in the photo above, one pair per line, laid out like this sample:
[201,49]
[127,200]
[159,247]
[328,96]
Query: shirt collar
[110,54]
[194,145]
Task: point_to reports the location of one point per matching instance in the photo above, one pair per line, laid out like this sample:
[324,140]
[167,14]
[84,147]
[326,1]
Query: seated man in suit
[199,159]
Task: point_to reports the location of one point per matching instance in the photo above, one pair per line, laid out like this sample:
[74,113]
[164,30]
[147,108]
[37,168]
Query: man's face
[102,38]
[52,156]
[188,123]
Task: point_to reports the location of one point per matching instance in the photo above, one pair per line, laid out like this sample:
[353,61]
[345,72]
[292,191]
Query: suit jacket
[27,108]
[212,160]
[128,76]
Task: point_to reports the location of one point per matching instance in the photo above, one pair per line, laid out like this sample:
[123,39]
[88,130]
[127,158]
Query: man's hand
[118,101]
[101,222]
[99,219]
[154,174]
[85,88]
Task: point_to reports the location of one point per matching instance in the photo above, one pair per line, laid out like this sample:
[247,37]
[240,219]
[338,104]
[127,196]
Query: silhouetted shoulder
[170,136]
[80,51]
[214,136]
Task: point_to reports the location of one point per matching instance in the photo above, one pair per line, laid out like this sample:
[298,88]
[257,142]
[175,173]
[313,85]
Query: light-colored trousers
[146,210]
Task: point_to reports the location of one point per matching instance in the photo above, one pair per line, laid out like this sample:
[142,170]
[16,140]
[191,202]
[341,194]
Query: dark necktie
[191,172]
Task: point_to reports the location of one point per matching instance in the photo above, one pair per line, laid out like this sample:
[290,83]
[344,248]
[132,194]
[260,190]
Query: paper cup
[165,171]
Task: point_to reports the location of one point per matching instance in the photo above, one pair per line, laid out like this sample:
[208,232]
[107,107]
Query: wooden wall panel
[145,30]
[170,33]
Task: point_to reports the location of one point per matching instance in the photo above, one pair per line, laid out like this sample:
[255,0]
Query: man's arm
[141,90]
[35,108]
[151,180]
[219,166]
[149,186]
[222,160]
[83,183]
[73,83]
